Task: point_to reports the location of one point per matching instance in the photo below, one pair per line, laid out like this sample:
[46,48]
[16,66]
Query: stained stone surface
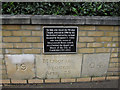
[95,64]
[1,57]
[20,66]
[58,66]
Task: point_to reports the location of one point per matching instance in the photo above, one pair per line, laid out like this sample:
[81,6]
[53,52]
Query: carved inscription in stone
[58,66]
[95,64]
[20,66]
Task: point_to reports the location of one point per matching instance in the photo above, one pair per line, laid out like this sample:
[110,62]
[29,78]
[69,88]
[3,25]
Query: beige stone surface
[95,64]
[5,81]
[35,81]
[19,81]
[113,77]
[83,79]
[98,78]
[52,81]
[20,66]
[1,57]
[58,66]
[67,80]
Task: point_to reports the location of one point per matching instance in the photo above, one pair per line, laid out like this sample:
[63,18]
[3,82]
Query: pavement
[93,84]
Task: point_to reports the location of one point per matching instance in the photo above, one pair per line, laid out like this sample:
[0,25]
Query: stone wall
[22,48]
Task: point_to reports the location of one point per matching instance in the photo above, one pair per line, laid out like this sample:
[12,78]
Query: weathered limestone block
[20,66]
[58,66]
[1,57]
[95,64]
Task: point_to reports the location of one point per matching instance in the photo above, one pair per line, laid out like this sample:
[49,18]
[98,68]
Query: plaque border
[60,27]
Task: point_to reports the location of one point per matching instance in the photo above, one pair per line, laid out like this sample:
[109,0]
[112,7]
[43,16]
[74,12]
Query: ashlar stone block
[20,66]
[1,58]
[58,66]
[95,64]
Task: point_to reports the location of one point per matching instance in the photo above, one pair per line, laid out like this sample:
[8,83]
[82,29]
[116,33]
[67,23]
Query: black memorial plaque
[60,40]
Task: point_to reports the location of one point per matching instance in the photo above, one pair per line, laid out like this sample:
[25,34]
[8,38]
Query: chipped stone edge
[59,20]
[69,80]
